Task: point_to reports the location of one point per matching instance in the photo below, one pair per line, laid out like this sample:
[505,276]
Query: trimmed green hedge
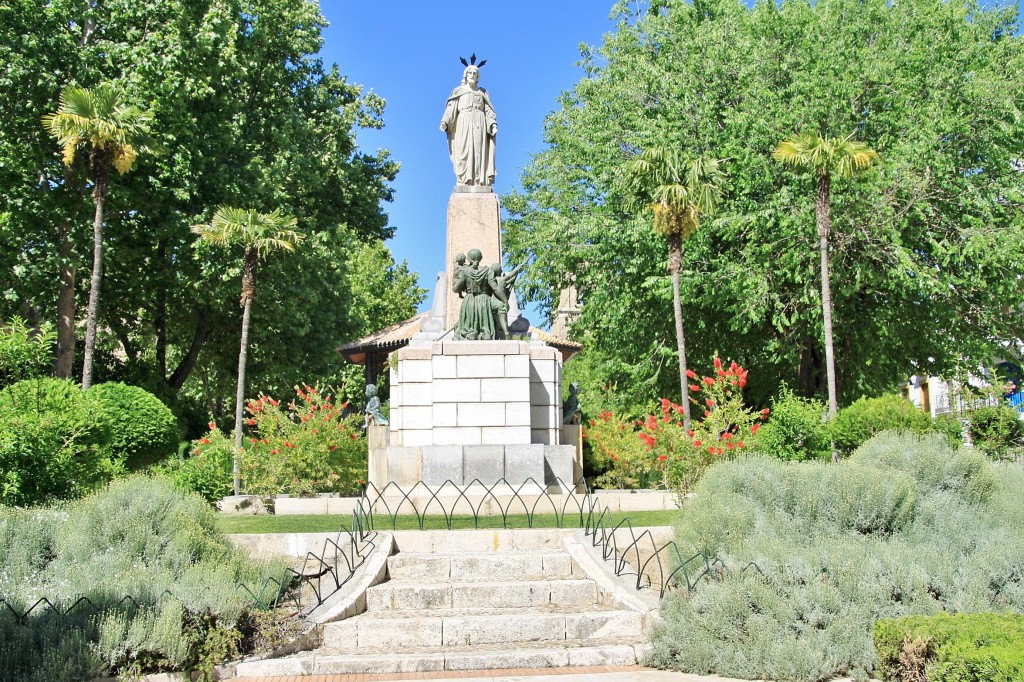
[143,430]
[978,647]
[54,442]
[856,424]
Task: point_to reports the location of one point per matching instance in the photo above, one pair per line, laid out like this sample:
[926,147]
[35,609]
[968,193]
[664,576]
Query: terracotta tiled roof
[389,338]
[399,335]
[556,341]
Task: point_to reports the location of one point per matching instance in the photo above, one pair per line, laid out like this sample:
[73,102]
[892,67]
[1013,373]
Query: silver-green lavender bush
[906,526]
[140,538]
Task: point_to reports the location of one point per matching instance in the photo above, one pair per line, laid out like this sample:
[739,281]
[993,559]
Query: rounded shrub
[165,589]
[53,442]
[796,430]
[907,525]
[994,430]
[142,429]
[855,424]
[931,462]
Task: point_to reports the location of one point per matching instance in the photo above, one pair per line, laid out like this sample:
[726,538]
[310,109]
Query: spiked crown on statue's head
[472,61]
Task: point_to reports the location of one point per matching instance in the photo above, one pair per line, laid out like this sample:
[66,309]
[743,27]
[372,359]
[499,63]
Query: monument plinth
[465,411]
[473,222]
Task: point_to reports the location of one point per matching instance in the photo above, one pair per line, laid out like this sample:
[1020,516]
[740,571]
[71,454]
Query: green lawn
[325,523]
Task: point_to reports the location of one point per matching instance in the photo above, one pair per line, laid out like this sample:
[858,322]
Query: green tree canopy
[247,115]
[925,253]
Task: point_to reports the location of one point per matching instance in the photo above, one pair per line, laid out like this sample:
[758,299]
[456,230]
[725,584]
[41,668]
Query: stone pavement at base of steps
[631,673]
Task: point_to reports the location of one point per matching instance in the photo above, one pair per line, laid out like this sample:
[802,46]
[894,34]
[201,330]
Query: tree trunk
[185,367]
[811,369]
[160,323]
[675,258]
[240,393]
[824,228]
[824,211]
[248,291]
[65,306]
[100,162]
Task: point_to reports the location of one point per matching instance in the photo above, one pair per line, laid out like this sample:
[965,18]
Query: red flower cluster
[663,453]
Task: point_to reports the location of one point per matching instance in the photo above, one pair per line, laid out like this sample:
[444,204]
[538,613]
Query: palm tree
[678,190]
[826,156]
[101,121]
[259,234]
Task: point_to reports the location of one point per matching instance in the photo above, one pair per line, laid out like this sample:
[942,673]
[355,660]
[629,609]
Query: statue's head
[471,74]
[371,390]
[475,257]
[496,268]
[574,388]
[460,258]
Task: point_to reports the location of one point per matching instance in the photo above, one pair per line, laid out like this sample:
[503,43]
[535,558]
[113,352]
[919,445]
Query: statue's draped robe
[468,116]
[476,321]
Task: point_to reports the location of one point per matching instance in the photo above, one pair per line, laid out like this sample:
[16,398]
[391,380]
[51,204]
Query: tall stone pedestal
[475,411]
[473,223]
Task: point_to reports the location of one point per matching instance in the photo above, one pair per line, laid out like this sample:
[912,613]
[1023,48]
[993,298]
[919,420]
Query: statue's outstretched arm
[499,291]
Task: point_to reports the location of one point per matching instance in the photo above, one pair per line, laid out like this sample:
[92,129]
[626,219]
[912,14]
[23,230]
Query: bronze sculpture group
[485,292]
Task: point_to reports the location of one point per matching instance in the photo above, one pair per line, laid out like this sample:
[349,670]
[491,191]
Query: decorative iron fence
[324,572]
[631,552]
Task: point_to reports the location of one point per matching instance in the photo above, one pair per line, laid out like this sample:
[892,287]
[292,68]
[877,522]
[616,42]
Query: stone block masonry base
[475,411]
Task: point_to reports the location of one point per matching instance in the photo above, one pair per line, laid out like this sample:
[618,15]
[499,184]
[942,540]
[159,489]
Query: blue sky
[407,51]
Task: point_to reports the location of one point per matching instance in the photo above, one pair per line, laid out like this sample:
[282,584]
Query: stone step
[479,626]
[404,566]
[484,594]
[561,654]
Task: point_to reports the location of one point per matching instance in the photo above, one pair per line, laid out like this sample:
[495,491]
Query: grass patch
[330,523]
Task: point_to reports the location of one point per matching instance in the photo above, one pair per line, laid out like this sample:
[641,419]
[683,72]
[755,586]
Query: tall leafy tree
[102,124]
[824,157]
[924,254]
[259,235]
[678,191]
[278,130]
[43,235]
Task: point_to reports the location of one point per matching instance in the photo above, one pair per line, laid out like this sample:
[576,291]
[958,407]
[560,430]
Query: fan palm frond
[251,229]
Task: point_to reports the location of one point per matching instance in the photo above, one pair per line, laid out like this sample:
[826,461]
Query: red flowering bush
[657,452]
[302,448]
[625,459]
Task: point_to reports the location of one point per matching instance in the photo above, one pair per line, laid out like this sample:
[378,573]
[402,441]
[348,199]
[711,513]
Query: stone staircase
[483,605]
